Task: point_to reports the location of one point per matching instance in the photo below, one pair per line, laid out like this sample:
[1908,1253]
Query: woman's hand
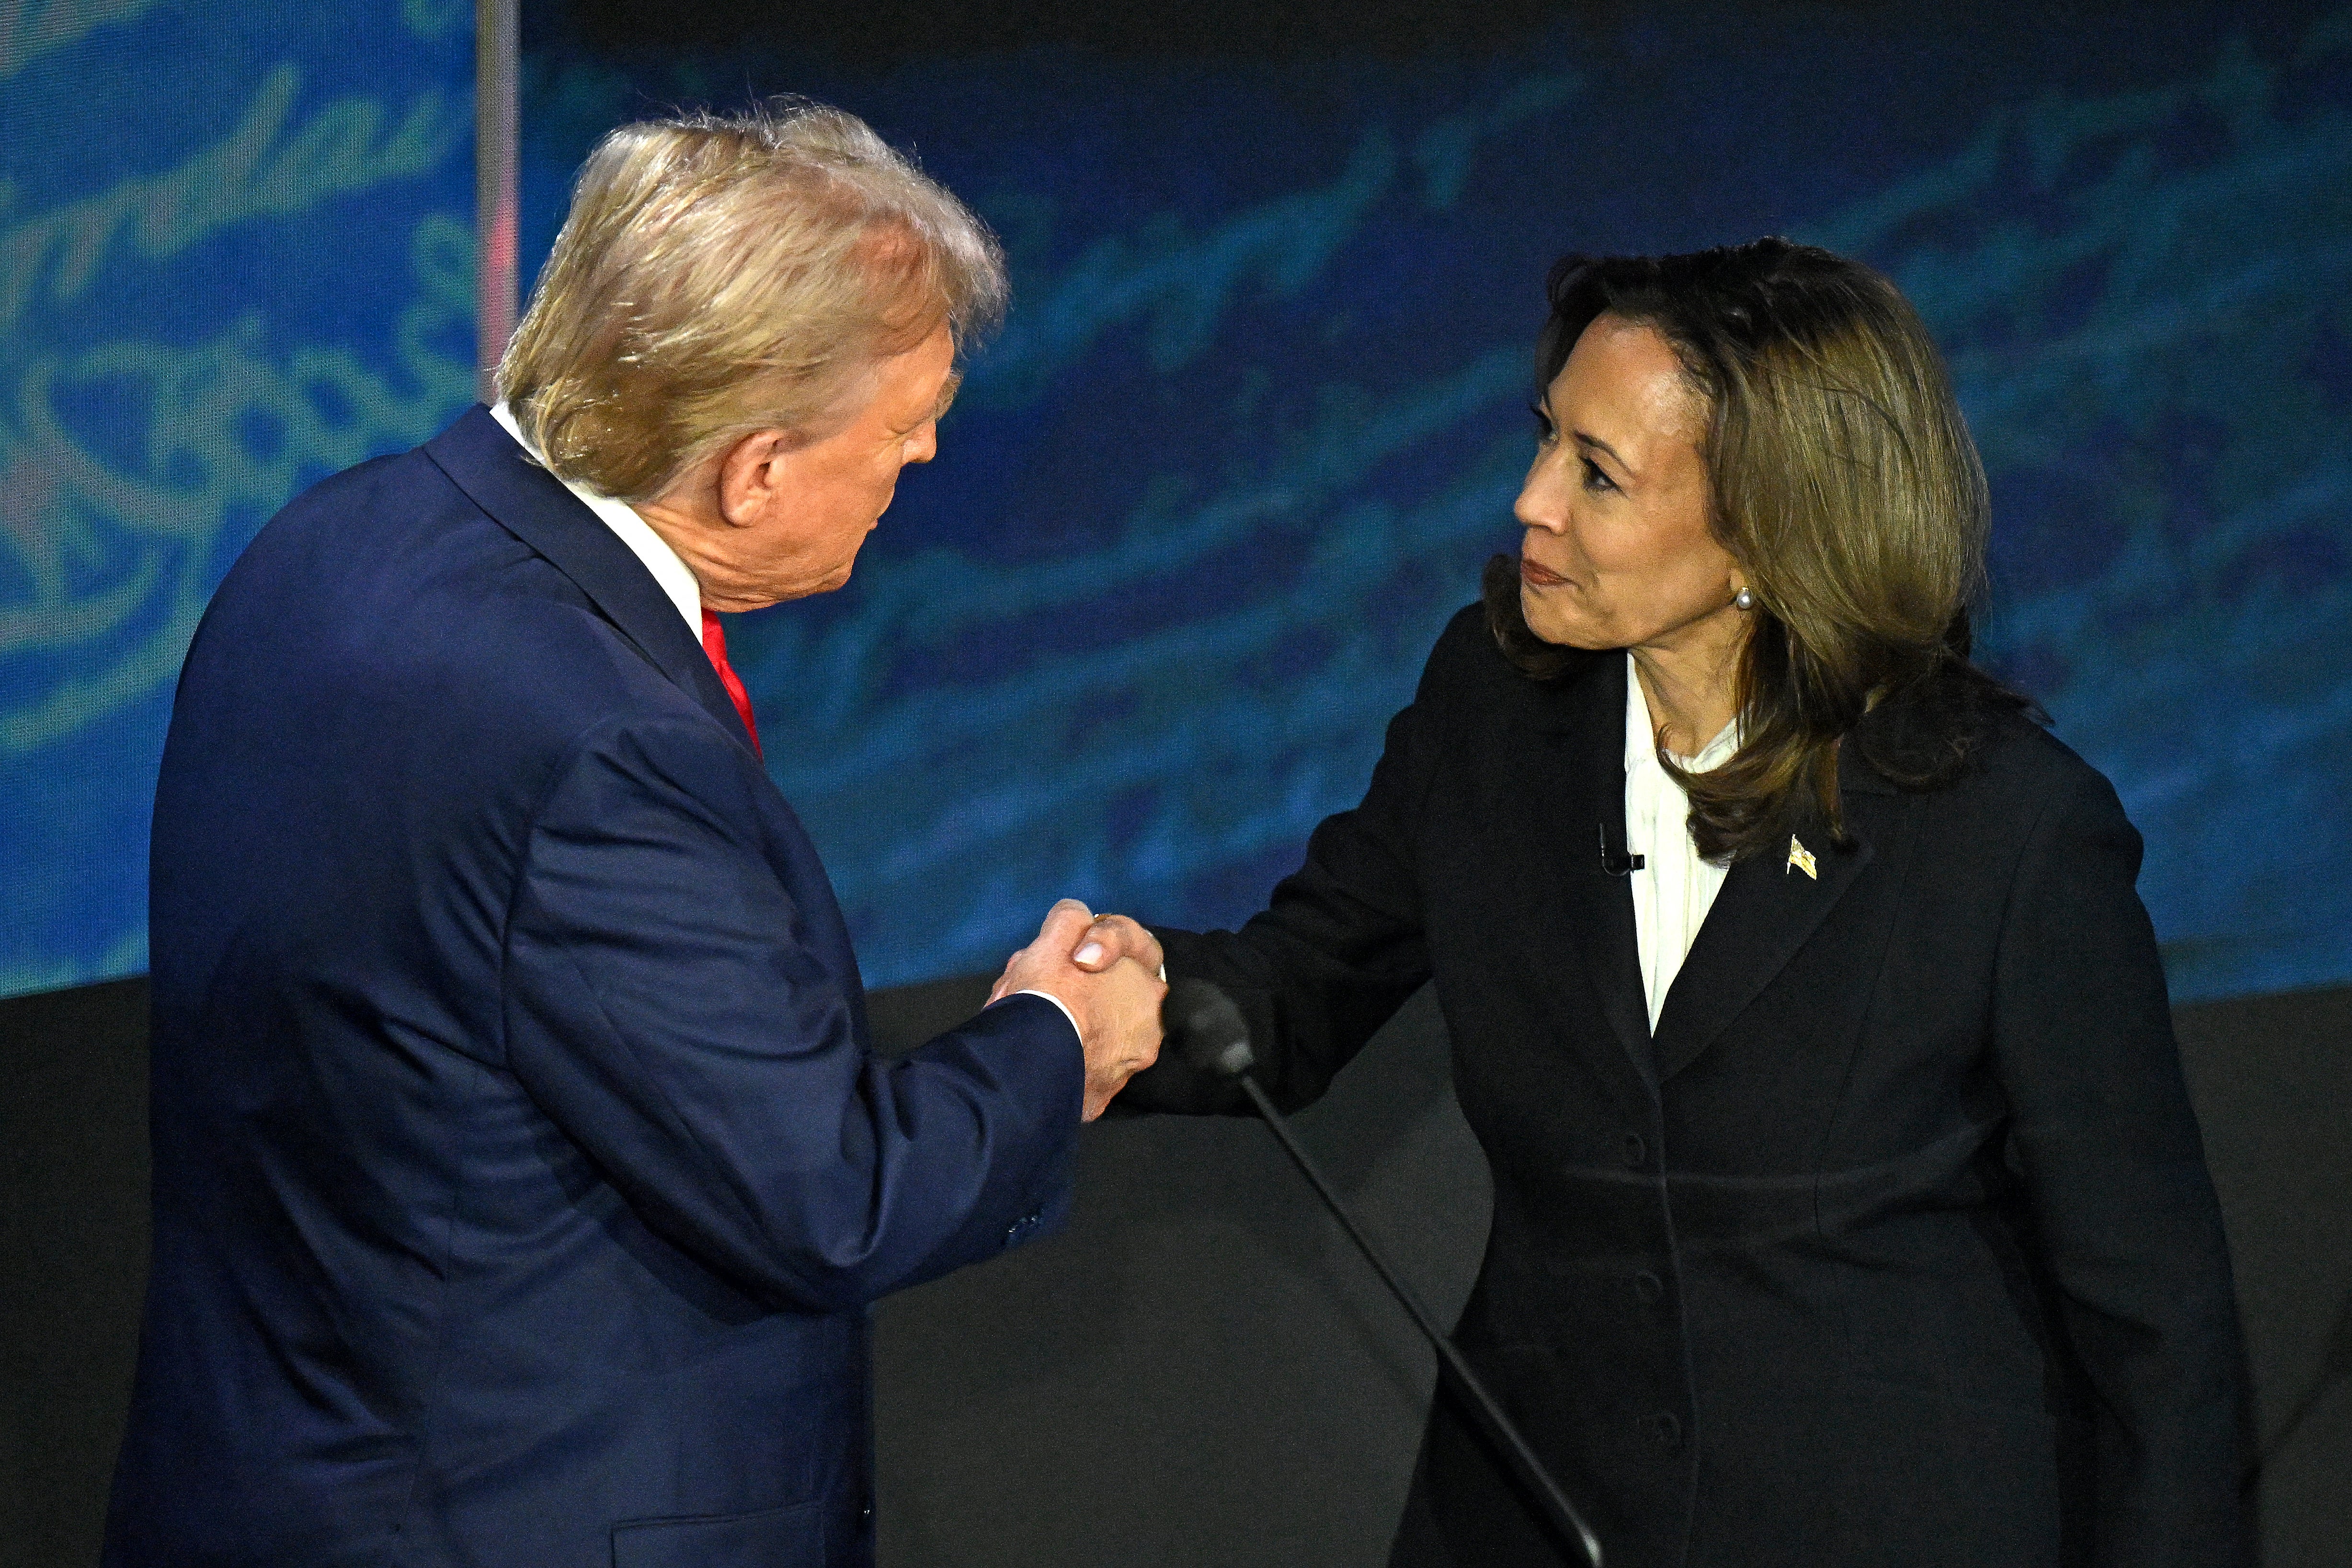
[1115,1007]
[1113,937]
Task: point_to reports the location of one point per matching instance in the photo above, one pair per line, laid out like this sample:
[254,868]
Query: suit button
[1665,1430]
[1637,1150]
[1650,1288]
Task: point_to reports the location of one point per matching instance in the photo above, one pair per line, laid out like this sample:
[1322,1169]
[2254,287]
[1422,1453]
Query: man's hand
[1116,1004]
[1110,937]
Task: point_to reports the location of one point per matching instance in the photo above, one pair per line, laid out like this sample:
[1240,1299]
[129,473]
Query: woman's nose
[1542,502]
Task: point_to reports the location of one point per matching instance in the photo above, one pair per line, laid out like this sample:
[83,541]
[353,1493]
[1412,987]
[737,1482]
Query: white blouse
[1674,888]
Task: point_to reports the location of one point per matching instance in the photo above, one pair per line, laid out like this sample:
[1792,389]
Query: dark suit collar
[1765,912]
[1578,728]
[1766,909]
[499,477]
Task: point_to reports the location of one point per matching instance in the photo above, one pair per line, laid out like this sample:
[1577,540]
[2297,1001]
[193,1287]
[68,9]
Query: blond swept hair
[723,274]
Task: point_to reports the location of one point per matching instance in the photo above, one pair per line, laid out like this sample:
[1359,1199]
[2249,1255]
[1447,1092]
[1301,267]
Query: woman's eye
[1594,479]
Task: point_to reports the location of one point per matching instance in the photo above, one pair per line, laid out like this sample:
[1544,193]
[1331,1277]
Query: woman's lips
[1537,575]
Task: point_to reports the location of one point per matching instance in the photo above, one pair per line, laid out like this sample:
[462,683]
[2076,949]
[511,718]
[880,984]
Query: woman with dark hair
[1849,1208]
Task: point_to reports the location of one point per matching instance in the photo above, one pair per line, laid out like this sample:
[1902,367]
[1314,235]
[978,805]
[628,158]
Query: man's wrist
[1057,1001]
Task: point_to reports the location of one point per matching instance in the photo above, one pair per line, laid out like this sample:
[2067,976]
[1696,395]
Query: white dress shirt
[677,580]
[1674,888]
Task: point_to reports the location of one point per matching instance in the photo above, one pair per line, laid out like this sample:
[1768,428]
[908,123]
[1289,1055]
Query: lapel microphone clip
[1616,862]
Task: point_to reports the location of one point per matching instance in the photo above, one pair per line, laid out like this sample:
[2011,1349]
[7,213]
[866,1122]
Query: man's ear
[752,476]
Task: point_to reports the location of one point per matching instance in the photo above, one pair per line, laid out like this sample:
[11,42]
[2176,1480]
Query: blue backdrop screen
[235,255]
[1256,418]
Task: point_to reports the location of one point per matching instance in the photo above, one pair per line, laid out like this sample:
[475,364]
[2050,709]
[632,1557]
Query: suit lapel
[496,474]
[1580,732]
[1767,910]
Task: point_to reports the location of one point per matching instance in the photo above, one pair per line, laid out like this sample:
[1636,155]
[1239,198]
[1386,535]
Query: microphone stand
[1208,1033]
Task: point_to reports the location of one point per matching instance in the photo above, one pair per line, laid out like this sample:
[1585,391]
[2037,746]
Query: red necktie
[714,643]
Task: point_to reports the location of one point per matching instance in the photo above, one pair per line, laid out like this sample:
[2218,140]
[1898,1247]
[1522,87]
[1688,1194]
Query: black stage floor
[1198,1371]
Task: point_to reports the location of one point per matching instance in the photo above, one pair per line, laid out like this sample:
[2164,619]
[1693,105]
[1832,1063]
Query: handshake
[1105,969]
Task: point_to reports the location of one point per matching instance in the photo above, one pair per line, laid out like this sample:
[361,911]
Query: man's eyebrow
[947,392]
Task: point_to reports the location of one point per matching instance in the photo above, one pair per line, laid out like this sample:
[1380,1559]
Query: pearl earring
[1744,600]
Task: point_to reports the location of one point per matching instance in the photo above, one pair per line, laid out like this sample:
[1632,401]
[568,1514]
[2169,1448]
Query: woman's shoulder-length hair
[1842,480]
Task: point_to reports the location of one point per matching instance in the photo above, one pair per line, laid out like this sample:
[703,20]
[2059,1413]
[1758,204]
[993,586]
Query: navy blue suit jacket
[522,1170]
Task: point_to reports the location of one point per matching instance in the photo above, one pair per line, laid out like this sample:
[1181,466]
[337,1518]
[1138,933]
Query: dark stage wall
[1198,1372]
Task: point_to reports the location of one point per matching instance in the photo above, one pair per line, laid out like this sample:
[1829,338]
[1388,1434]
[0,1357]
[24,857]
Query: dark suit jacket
[1895,1247]
[522,1173]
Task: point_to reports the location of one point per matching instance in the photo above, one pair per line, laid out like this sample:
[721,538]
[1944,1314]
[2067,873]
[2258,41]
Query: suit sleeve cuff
[1059,1004]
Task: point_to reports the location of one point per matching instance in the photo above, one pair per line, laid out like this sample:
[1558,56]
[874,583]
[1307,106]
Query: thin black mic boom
[1209,1033]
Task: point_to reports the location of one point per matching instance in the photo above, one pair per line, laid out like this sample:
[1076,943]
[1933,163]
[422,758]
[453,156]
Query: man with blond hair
[523,1172]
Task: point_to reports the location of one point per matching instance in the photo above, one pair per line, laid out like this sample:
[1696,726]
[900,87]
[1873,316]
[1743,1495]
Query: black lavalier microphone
[1616,862]
[1209,1034]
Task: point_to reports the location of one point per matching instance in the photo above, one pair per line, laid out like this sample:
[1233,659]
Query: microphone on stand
[1210,1036]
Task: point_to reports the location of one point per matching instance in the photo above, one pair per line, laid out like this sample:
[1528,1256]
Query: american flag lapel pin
[1800,859]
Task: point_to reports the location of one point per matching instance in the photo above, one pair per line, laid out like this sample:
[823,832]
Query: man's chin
[806,587]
